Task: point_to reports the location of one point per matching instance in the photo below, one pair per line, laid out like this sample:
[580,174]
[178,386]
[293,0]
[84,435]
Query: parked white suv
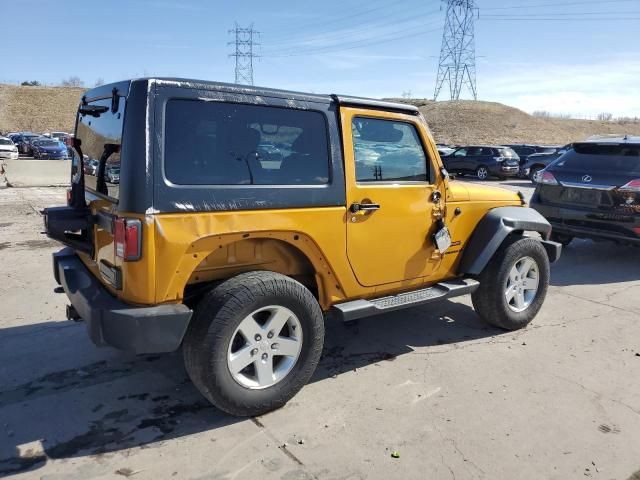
[8,149]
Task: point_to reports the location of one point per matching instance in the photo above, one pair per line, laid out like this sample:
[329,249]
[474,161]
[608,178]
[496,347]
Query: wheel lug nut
[258,337]
[274,346]
[270,334]
[265,356]
[254,351]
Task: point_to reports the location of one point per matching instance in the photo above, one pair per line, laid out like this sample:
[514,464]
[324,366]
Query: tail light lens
[127,238]
[632,186]
[547,178]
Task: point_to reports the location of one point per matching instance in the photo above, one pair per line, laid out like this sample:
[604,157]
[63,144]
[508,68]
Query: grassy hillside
[467,121]
[53,108]
[38,109]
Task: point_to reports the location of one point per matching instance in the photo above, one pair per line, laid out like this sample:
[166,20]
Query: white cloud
[609,85]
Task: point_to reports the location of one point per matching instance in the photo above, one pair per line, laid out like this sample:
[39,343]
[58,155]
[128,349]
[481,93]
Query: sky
[565,56]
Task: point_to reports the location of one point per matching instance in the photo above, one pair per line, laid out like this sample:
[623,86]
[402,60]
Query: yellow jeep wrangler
[241,216]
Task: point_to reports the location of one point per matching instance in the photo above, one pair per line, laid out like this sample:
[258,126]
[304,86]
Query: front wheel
[482,173]
[513,285]
[254,342]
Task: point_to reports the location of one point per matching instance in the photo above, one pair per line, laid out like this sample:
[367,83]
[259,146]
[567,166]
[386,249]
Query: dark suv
[526,151]
[483,161]
[539,161]
[593,191]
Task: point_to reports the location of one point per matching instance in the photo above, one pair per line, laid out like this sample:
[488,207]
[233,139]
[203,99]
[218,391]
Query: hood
[52,148]
[7,148]
[464,191]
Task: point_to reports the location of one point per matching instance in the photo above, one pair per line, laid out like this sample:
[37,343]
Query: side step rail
[356,309]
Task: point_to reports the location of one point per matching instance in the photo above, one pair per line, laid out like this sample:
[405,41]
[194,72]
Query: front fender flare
[494,228]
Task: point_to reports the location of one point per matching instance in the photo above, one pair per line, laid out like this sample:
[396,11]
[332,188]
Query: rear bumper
[111,322]
[579,223]
[505,171]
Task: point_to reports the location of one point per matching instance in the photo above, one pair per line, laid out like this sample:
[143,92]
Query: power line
[572,14]
[346,32]
[244,55]
[457,64]
[557,19]
[558,4]
[334,21]
[359,44]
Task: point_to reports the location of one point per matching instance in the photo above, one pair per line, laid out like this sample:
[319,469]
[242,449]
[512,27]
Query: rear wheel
[532,173]
[482,172]
[254,342]
[513,285]
[565,240]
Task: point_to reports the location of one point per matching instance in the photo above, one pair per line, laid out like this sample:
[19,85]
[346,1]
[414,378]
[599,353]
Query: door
[390,218]
[455,162]
[473,159]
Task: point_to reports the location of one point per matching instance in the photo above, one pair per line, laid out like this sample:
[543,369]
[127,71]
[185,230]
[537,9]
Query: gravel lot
[456,398]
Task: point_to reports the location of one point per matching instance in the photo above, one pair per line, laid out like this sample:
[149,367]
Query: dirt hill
[53,108]
[468,121]
[38,109]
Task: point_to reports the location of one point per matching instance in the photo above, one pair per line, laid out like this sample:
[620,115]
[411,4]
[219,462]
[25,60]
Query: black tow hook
[72,314]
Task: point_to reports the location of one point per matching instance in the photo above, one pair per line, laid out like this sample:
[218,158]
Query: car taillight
[632,186]
[68,196]
[547,178]
[127,238]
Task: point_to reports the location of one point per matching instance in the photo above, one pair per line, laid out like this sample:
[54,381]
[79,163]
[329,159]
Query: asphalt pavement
[454,397]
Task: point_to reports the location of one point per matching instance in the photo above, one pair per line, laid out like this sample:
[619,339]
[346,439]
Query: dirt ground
[456,398]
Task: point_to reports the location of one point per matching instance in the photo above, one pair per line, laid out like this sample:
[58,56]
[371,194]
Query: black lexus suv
[593,191]
[483,161]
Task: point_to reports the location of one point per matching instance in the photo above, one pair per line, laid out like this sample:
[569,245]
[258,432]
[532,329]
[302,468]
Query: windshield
[614,158]
[5,141]
[100,135]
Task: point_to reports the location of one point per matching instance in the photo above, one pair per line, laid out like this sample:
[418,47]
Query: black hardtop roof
[104,91]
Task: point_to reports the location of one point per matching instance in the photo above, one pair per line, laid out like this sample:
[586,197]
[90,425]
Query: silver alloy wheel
[522,284]
[482,173]
[265,347]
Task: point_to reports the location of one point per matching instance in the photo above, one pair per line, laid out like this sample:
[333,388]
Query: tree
[605,117]
[32,83]
[99,82]
[72,81]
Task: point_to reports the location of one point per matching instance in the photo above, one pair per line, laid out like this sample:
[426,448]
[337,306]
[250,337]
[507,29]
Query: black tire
[489,299]
[215,320]
[532,174]
[565,240]
[482,173]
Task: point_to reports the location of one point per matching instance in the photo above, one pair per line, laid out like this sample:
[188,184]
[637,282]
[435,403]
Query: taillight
[68,196]
[127,233]
[632,186]
[547,178]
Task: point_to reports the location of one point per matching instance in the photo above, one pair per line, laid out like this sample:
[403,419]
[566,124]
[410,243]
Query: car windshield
[616,158]
[5,141]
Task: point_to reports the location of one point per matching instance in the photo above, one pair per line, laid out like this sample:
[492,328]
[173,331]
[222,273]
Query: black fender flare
[495,227]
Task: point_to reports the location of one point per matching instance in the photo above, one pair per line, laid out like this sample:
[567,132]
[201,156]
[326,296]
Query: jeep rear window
[215,143]
[615,158]
[99,132]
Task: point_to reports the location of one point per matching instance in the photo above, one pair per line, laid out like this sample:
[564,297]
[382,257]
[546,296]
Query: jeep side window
[388,150]
[211,143]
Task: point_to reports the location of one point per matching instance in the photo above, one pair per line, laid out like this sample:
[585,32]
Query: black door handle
[364,207]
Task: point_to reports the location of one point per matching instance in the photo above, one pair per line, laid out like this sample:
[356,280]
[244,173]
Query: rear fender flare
[494,228]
